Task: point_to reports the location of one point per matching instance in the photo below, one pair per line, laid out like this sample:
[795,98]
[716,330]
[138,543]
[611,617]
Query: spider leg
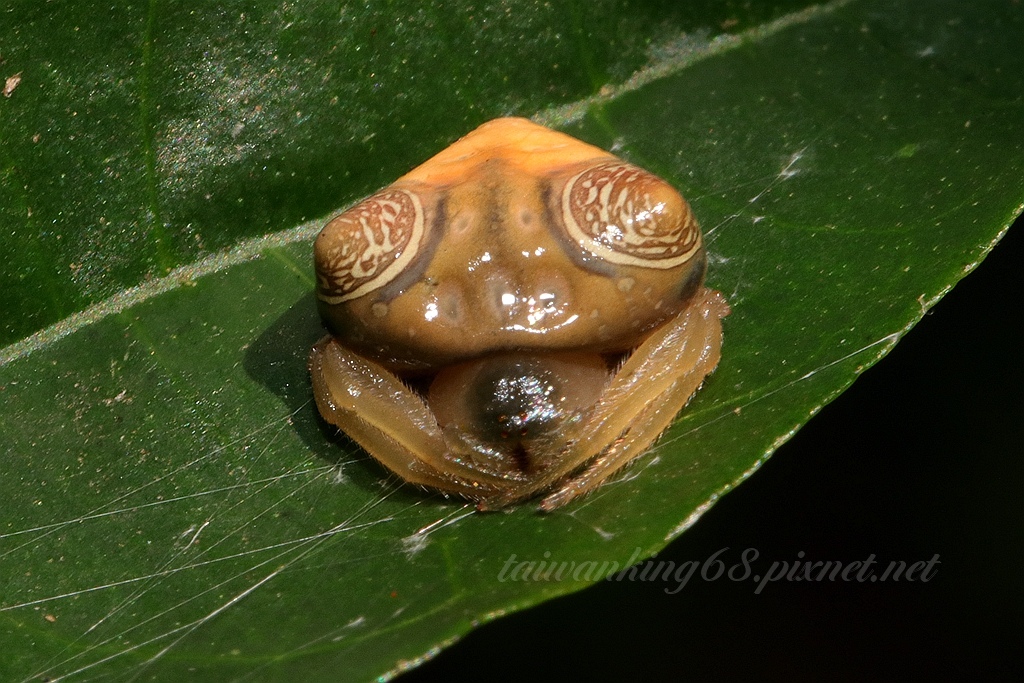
[656,417]
[390,421]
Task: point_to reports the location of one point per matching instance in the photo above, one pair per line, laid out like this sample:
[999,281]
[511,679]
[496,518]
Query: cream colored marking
[625,284]
[379,309]
[377,251]
[612,220]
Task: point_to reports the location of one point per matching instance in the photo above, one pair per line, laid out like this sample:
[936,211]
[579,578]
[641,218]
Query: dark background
[922,455]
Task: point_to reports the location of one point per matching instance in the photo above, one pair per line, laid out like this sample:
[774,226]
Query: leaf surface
[174,509]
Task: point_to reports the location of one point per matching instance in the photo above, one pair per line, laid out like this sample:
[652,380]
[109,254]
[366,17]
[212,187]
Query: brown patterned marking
[626,215]
[367,246]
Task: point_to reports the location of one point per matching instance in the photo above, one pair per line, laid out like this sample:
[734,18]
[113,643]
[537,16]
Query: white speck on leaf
[11,83]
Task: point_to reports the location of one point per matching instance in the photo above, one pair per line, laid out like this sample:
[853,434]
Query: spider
[522,314]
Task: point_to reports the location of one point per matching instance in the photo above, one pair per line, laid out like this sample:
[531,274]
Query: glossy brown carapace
[514,237]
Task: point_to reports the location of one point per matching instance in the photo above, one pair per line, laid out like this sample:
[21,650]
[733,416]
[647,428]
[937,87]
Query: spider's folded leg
[390,421]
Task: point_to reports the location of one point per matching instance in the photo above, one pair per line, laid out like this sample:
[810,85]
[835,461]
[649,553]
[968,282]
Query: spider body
[544,297]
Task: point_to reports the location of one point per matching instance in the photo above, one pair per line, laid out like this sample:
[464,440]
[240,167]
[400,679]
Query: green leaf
[173,507]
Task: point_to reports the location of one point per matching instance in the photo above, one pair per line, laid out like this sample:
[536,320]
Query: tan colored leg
[392,423]
[640,402]
[647,427]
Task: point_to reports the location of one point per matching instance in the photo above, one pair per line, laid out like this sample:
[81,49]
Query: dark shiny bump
[516,401]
